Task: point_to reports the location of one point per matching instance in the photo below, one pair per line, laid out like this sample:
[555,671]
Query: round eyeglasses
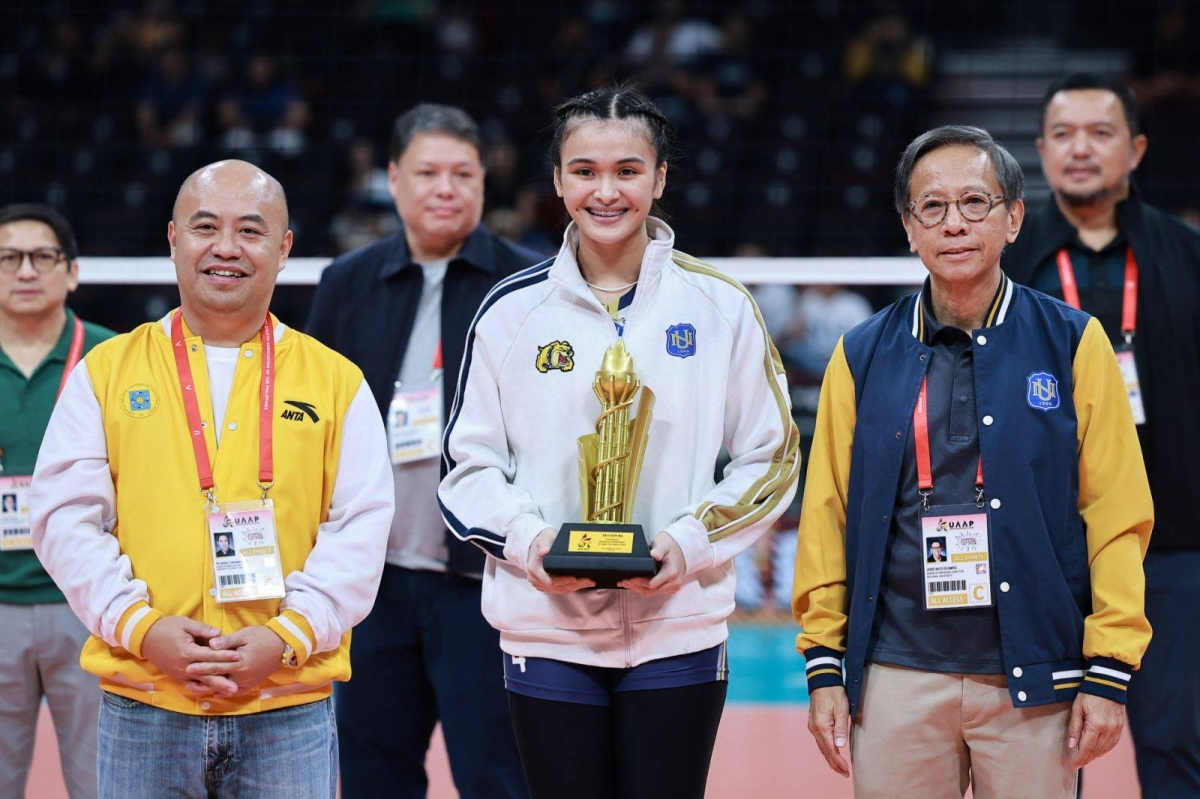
[973,207]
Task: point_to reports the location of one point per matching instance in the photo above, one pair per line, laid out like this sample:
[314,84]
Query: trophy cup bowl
[607,547]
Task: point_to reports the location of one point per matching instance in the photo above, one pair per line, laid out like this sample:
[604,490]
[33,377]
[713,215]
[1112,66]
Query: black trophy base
[606,553]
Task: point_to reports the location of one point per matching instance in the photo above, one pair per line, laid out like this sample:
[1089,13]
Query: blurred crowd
[789,115]
[783,113]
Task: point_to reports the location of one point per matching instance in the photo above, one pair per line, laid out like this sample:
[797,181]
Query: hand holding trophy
[607,547]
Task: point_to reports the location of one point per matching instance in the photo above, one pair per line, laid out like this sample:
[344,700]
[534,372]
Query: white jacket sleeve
[337,586]
[763,444]
[72,509]
[477,498]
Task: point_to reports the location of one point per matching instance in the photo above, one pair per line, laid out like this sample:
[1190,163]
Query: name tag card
[245,552]
[1133,386]
[415,424]
[957,568]
[14,514]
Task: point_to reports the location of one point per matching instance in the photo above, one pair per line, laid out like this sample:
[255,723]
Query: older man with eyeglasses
[991,421]
[40,341]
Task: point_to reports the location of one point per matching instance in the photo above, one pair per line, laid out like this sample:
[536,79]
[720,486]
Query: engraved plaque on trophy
[606,546]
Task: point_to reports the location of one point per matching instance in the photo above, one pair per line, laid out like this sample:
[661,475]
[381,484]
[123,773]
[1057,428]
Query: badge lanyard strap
[1066,277]
[924,463]
[74,354]
[191,406]
[436,372]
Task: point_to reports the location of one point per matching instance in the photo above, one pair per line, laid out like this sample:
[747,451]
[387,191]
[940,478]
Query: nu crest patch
[681,340]
[558,355]
[1041,391]
[139,401]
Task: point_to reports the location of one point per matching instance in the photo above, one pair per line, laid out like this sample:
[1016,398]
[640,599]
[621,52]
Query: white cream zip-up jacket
[699,343]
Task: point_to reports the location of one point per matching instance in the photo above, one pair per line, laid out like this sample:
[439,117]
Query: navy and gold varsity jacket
[1071,512]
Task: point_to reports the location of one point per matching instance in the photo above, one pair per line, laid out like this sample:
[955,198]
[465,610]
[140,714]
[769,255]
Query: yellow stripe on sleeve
[133,625]
[295,630]
[819,600]
[724,520]
[1114,501]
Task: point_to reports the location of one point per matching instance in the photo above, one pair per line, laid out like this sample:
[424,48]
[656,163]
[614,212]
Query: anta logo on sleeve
[305,409]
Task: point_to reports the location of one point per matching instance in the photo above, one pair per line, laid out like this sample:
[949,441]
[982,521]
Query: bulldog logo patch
[558,355]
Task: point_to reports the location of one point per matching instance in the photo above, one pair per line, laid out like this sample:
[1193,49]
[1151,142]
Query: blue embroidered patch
[681,340]
[1042,391]
[139,400]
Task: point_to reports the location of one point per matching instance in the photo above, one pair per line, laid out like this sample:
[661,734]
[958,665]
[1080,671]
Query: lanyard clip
[265,488]
[979,496]
[210,503]
[1129,338]
[925,498]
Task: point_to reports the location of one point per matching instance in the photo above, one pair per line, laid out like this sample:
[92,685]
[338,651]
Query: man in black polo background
[400,309]
[1101,247]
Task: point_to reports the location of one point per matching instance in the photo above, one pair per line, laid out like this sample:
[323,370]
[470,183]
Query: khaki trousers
[40,657]
[930,735]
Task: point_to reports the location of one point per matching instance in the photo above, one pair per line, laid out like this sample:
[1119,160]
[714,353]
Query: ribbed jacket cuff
[296,632]
[1107,677]
[823,668]
[133,625]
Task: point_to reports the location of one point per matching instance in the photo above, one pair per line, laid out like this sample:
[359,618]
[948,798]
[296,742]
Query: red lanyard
[266,457]
[924,463]
[1066,276]
[73,355]
[437,358]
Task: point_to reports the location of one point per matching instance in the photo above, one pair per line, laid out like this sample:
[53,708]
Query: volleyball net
[891,271]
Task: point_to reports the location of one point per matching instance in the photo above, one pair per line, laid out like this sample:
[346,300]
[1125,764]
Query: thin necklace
[611,289]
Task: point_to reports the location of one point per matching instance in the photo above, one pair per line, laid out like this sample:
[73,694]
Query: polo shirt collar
[58,354]
[925,325]
[476,252]
[1060,233]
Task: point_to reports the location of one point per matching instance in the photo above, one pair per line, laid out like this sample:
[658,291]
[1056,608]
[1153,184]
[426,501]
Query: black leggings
[655,744]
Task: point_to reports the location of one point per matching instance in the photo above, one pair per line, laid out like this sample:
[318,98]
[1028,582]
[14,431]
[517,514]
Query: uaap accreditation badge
[245,551]
[957,565]
[14,514]
[415,424]
[1133,386]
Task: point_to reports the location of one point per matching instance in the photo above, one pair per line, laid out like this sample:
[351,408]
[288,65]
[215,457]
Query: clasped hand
[208,661]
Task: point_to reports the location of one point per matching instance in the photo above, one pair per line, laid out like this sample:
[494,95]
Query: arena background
[790,117]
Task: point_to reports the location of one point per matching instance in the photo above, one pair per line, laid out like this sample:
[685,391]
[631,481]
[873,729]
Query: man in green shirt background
[40,340]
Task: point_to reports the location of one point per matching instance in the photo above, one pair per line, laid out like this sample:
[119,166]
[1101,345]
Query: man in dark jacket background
[400,309]
[1100,247]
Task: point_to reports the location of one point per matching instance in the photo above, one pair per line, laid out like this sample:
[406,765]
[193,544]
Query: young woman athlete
[616,692]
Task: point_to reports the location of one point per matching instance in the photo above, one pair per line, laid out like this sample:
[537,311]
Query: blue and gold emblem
[681,340]
[1042,391]
[558,355]
[140,401]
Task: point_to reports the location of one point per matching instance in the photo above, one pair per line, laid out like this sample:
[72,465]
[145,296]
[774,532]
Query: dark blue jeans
[147,752]
[1164,694]
[426,654]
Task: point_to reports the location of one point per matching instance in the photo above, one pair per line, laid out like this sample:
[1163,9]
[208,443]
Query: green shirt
[25,407]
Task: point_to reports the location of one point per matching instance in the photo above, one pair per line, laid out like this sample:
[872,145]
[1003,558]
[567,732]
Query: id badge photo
[14,514]
[415,423]
[1133,385]
[245,551]
[957,562]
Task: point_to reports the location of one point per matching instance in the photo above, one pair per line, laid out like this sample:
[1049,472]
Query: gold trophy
[607,546]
